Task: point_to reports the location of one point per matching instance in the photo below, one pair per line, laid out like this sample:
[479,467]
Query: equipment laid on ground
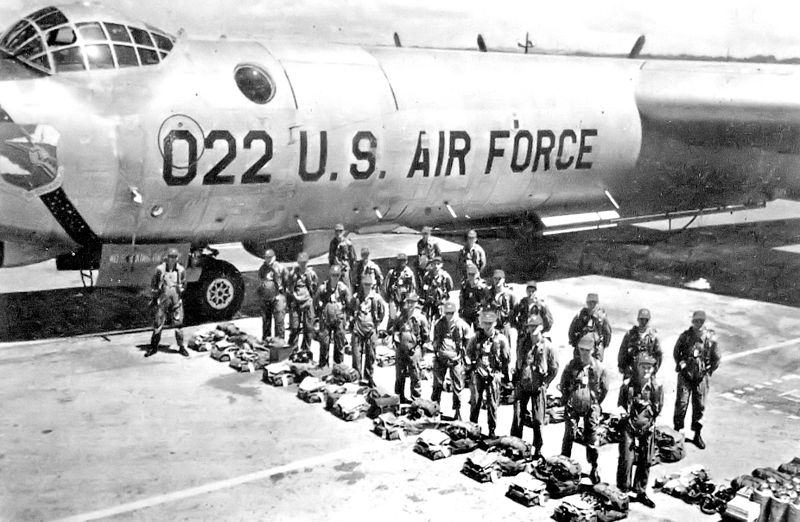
[434,444]
[481,466]
[575,510]
[527,490]
[380,403]
[350,406]
[561,474]
[387,426]
[669,445]
[310,389]
[278,374]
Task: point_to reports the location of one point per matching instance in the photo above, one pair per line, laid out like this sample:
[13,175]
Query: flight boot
[182,351]
[698,440]
[154,341]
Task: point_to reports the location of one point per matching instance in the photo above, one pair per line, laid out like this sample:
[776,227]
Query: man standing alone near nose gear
[591,318]
[537,366]
[696,358]
[168,285]
[342,253]
[272,276]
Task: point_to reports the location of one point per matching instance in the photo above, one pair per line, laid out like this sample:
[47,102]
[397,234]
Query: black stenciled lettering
[364,155]
[584,148]
[528,137]
[252,174]
[422,158]
[191,160]
[542,150]
[305,175]
[439,154]
[560,163]
[459,153]
[213,177]
[493,151]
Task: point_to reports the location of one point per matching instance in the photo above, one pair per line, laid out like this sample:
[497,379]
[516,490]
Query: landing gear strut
[219,292]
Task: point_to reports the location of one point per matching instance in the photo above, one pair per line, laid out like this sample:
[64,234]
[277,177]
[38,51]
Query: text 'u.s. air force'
[441,153]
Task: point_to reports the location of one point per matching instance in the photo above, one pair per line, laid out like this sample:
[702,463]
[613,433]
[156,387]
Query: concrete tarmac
[89,429]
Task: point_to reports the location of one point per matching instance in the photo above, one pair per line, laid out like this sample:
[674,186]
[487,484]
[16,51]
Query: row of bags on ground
[765,495]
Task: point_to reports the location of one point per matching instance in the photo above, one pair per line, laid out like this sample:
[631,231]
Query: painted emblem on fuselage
[28,159]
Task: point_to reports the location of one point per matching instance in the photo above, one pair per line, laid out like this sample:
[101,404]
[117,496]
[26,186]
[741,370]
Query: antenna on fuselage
[397,40]
[637,47]
[481,44]
[528,44]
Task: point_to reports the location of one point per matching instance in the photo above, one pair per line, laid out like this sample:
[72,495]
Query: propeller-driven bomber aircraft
[118,141]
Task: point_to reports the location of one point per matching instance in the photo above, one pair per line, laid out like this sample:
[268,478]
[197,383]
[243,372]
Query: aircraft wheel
[219,293]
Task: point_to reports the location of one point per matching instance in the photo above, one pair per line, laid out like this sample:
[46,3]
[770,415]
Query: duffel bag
[350,406]
[461,446]
[527,490]
[433,444]
[423,408]
[387,427]
[229,329]
[514,448]
[480,466]
[575,510]
[564,468]
[791,468]
[666,436]
[508,467]
[562,488]
[343,373]
[671,453]
[458,430]
[611,497]
[380,403]
[768,473]
[747,481]
[310,390]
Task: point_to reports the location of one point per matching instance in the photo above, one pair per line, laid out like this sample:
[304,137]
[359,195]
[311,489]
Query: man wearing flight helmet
[167,286]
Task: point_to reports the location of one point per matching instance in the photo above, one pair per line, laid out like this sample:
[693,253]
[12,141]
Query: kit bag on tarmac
[387,427]
[575,510]
[561,474]
[351,406]
[458,430]
[670,445]
[481,466]
[310,390]
[380,403]
[343,373]
[610,497]
[527,490]
[433,444]
[423,408]
[278,374]
[791,468]
[514,448]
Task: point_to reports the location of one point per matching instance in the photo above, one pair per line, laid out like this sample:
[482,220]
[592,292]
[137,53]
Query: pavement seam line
[208,488]
[760,349]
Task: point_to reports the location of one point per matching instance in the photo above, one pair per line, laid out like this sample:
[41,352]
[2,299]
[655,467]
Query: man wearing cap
[399,283]
[410,331]
[436,289]
[272,276]
[537,366]
[642,399]
[591,318]
[473,252]
[167,286]
[365,266]
[342,254]
[451,335]
[500,299]
[331,302]
[369,309]
[487,362]
[426,247]
[696,358]
[302,285]
[473,292]
[641,338]
[584,385]
[531,305]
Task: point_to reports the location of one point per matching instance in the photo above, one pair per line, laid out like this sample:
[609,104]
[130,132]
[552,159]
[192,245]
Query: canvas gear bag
[670,444]
[310,389]
[527,490]
[381,403]
[480,466]
[351,406]
[433,444]
[458,430]
[611,497]
[575,510]
[387,427]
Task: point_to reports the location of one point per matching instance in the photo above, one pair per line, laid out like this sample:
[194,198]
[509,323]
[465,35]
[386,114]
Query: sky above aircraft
[736,28]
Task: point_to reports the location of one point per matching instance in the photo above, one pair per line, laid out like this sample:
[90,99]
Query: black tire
[219,292]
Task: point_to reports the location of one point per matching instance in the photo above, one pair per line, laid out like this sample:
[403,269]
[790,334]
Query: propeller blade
[637,47]
[397,40]
[481,44]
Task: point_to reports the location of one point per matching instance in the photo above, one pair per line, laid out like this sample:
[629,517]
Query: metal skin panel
[360,135]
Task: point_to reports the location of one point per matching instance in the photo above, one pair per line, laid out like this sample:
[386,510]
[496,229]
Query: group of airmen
[471,343]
